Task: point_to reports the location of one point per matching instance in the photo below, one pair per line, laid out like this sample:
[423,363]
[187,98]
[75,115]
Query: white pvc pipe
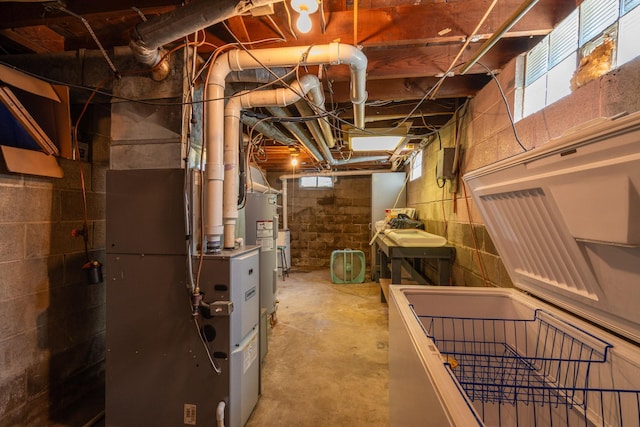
[262,98]
[238,60]
[285,221]
[256,187]
[333,173]
[220,413]
[317,98]
[333,53]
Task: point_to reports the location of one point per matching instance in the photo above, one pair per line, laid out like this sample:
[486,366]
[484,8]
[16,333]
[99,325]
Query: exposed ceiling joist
[408,45]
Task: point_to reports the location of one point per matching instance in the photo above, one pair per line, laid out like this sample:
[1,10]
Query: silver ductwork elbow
[156,59]
[149,36]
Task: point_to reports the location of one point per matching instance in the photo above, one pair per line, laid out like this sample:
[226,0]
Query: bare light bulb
[304,22]
[294,161]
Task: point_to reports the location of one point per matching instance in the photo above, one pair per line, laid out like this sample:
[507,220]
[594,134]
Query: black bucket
[94,272]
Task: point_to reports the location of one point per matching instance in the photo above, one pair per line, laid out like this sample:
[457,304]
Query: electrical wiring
[330,115]
[277,27]
[288,12]
[97,89]
[247,159]
[215,367]
[506,104]
[322,113]
[187,113]
[145,101]
[85,223]
[380,103]
[348,157]
[226,46]
[444,181]
[263,176]
[301,119]
[400,123]
[242,45]
[323,21]
[444,214]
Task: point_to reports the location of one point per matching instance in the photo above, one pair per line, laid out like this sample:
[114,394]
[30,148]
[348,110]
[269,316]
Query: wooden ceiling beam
[393,110]
[237,26]
[37,39]
[14,15]
[433,60]
[413,88]
[422,24]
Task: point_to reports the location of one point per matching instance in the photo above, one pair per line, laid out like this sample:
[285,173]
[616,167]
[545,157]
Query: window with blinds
[550,65]
[316,182]
[563,40]
[628,5]
[628,36]
[537,62]
[595,17]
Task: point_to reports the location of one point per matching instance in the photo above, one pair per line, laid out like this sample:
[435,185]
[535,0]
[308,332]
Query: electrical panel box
[444,166]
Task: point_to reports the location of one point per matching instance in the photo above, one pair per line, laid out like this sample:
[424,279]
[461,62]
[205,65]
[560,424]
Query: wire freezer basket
[541,366]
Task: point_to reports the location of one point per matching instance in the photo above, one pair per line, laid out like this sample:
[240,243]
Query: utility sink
[413,237]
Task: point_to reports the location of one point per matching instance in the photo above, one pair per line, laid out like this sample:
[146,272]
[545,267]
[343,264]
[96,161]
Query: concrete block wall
[486,136]
[324,220]
[52,323]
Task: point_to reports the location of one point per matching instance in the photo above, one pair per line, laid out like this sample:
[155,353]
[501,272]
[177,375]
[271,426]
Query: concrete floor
[327,363]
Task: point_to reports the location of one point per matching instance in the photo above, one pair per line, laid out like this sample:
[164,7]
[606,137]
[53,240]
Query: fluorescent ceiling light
[375,142]
[378,139]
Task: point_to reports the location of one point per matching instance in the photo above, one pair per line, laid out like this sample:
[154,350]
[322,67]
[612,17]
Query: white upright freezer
[564,348]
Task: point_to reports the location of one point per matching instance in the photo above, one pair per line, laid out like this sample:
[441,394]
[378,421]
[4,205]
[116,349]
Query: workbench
[409,257]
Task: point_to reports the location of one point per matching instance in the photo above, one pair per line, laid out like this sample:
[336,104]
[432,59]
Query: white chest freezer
[564,348]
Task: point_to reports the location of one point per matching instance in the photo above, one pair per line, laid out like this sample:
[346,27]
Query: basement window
[607,30]
[35,122]
[628,36]
[316,182]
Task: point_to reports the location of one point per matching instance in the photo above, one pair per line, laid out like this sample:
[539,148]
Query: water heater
[261,222]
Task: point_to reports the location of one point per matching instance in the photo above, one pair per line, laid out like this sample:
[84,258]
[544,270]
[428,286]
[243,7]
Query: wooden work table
[409,257]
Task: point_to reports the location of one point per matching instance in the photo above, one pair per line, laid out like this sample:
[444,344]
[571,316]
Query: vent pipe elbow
[262,98]
[357,61]
[332,53]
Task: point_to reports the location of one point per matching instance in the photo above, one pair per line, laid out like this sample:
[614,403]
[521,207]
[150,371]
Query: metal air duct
[148,37]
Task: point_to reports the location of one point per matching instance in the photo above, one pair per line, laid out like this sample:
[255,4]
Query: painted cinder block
[12,242]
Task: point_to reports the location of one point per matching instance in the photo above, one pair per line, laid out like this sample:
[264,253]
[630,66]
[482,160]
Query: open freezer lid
[565,218]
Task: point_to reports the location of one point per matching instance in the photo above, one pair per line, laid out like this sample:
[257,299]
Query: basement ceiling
[410,45]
